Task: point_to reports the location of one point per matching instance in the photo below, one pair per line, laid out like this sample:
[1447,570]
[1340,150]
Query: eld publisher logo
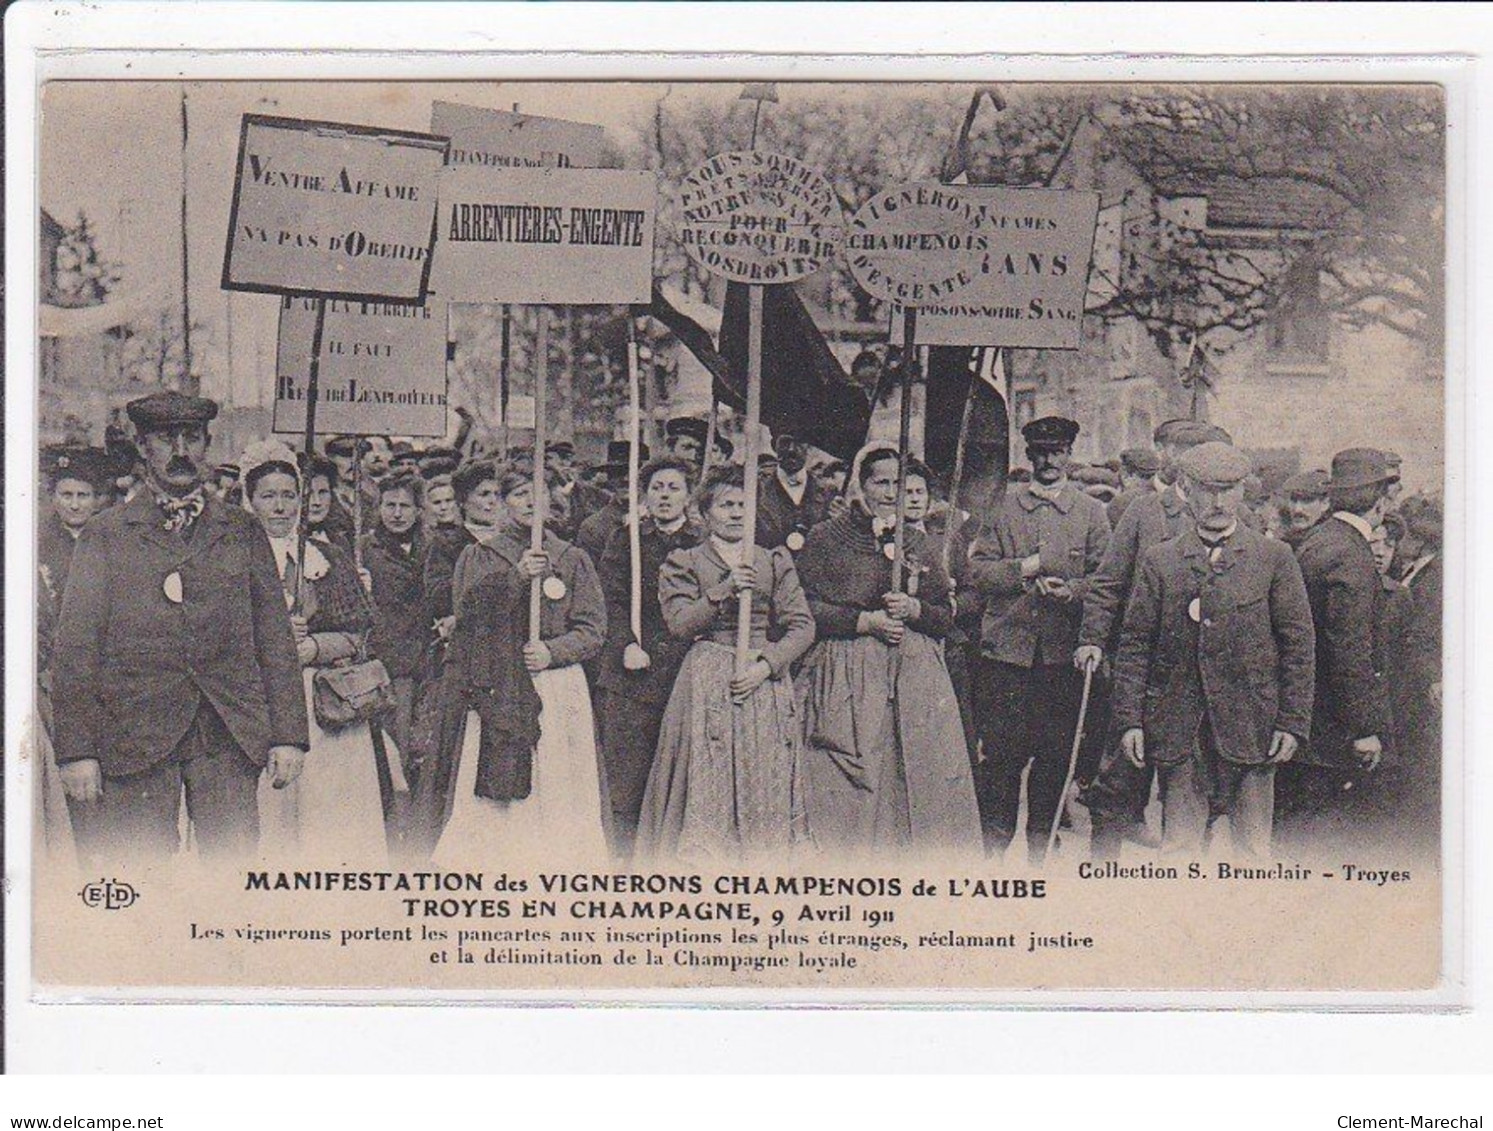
[111,895]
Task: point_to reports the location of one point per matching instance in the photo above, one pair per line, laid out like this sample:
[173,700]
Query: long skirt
[333,812]
[885,771]
[561,817]
[723,785]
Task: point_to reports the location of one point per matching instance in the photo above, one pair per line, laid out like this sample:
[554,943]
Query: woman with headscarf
[885,764]
[333,812]
[534,788]
[723,784]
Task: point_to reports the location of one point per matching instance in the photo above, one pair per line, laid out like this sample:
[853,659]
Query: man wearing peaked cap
[175,673]
[1212,611]
[1033,566]
[1118,795]
[1351,712]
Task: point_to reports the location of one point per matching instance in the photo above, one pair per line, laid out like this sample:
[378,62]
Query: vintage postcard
[766,541]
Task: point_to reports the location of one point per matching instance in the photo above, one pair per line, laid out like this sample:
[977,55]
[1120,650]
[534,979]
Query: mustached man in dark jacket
[1214,676]
[175,673]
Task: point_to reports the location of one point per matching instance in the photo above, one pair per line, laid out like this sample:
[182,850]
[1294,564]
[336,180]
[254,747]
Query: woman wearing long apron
[723,784]
[333,812]
[508,800]
[885,764]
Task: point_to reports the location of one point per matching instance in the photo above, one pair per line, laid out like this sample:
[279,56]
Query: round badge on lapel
[795,541]
[1195,609]
[172,587]
[889,551]
[553,588]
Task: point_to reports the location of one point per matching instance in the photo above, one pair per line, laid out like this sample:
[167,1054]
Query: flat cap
[617,454]
[1094,476]
[1190,433]
[1140,461]
[1050,432]
[1306,485]
[1215,464]
[341,446]
[169,409]
[1360,467]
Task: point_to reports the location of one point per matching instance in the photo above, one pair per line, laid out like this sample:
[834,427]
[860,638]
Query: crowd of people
[329,657]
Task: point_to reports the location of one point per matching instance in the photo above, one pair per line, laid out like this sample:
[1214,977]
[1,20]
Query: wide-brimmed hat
[1359,467]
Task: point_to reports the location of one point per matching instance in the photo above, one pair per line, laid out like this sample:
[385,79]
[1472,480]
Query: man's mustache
[181,463]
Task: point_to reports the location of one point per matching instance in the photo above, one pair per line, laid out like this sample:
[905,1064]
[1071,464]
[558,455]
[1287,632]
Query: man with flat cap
[1033,567]
[1305,495]
[1138,471]
[1215,669]
[175,672]
[1118,796]
[593,534]
[1315,799]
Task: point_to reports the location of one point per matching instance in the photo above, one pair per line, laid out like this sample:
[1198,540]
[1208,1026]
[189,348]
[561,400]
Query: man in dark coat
[788,501]
[1306,504]
[1350,714]
[393,554]
[1033,567]
[1138,470]
[635,676]
[1118,796]
[1214,675]
[596,531]
[175,671]
[1418,702]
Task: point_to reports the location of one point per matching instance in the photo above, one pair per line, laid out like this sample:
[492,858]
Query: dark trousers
[1029,718]
[629,726]
[138,815]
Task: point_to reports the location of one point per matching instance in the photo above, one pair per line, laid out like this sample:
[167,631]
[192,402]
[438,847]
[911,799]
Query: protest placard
[758,217]
[321,208]
[545,236]
[1033,277]
[383,368]
[501,140]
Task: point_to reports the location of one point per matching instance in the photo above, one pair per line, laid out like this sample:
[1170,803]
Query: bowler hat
[617,455]
[1050,432]
[1359,467]
[1215,464]
[169,409]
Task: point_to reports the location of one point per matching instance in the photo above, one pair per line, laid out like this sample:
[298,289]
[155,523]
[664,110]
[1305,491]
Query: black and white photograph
[508,537]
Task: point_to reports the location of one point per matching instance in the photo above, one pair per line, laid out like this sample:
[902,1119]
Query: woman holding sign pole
[885,761]
[512,802]
[723,784]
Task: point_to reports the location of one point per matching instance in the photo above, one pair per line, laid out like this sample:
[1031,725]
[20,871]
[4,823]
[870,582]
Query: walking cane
[1083,712]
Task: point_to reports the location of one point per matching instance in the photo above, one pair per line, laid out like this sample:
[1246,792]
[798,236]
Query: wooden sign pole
[504,354]
[956,481]
[540,489]
[753,442]
[313,389]
[634,508]
[904,441]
